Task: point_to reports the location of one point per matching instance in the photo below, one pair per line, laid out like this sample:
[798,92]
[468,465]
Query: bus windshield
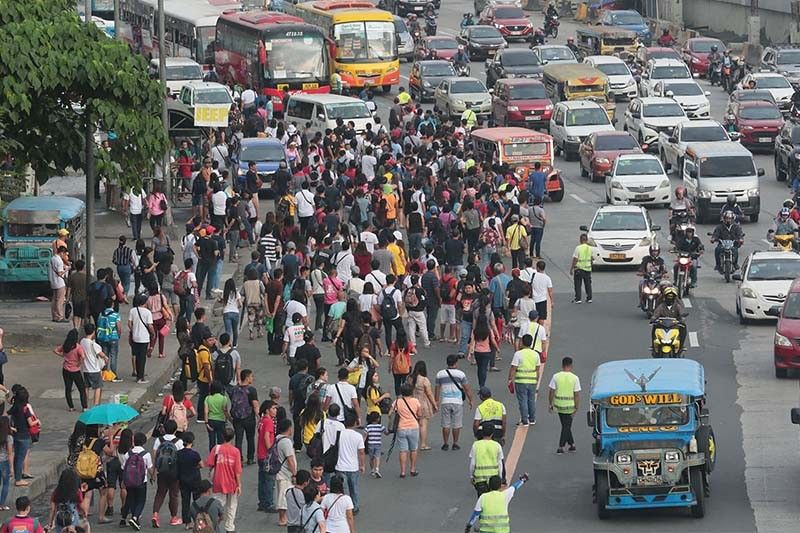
[295,54]
[205,44]
[365,42]
[647,415]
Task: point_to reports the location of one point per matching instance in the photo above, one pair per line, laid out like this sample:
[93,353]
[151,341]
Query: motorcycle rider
[727,62]
[430,20]
[731,205]
[680,204]
[691,244]
[783,225]
[714,57]
[467,20]
[666,39]
[671,307]
[572,46]
[461,58]
[651,263]
[551,11]
[727,230]
[413,27]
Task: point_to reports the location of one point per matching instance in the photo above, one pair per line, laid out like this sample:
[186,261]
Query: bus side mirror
[795,415]
[760,172]
[590,418]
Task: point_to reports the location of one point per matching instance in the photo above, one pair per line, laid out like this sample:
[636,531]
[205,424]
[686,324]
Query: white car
[620,235]
[572,122]
[764,282]
[180,71]
[620,79]
[776,84]
[662,70]
[672,146]
[205,92]
[638,179]
[554,53]
[454,93]
[689,95]
[646,118]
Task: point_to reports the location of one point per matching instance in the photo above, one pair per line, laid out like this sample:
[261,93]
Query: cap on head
[290,245]
[533,314]
[485,392]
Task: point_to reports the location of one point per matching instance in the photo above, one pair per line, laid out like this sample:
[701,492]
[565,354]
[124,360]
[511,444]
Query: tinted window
[615,142]
[442,44]
[555,54]
[613,69]
[467,86]
[684,89]
[509,13]
[213,96]
[755,94]
[705,133]
[438,69]
[791,309]
[662,110]
[184,72]
[619,221]
[484,32]
[662,73]
[641,415]
[520,59]
[586,117]
[530,92]
[347,111]
[704,47]
[760,113]
[789,57]
[638,167]
[262,152]
[626,19]
[773,82]
[727,166]
[773,269]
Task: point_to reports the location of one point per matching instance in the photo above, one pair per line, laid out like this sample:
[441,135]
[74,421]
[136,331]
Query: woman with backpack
[177,407]
[311,415]
[137,469]
[482,344]
[162,316]
[66,502]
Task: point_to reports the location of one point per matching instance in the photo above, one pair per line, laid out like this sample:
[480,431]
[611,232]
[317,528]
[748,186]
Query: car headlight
[513,108]
[602,161]
[780,340]
[458,102]
[645,242]
[573,139]
[650,126]
[631,82]
[704,194]
[748,128]
[664,183]
[426,84]
[616,185]
[752,193]
[549,107]
[672,457]
[747,292]
[696,60]
[624,459]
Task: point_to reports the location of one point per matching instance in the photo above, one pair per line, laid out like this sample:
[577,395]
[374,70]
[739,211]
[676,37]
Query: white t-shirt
[292,307]
[349,443]
[419,198]
[541,282]
[169,438]
[148,459]
[218,201]
[336,522]
[56,266]
[235,357]
[396,293]
[507,493]
[232,305]
[370,239]
[577,387]
[138,318]
[344,262]
[248,97]
[332,428]
[135,202]
[91,362]
[527,274]
[219,152]
[377,278]
[449,391]
[368,163]
[294,336]
[348,393]
[305,203]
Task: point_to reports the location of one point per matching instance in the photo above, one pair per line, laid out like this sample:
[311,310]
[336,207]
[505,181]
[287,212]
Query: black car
[482,41]
[513,63]
[787,151]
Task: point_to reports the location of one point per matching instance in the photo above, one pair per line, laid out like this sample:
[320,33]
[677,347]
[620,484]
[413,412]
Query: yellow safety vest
[403,98]
[470,116]
[564,401]
[494,513]
[536,333]
[584,257]
[490,409]
[526,371]
[485,452]
[336,83]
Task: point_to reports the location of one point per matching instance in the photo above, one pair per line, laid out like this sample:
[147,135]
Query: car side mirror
[673,139]
[320,116]
[656,228]
[736,277]
[775,311]
[707,93]
[760,172]
[670,94]
[584,228]
[590,418]
[795,413]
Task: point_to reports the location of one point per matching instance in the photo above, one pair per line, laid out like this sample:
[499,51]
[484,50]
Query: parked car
[405,43]
[513,63]
[573,121]
[689,95]
[521,102]
[764,281]
[777,84]
[627,19]
[672,145]
[453,94]
[695,53]
[482,41]
[620,78]
[620,235]
[783,59]
[638,179]
[179,72]
[437,47]
[425,77]
[510,20]
[786,340]
[554,53]
[599,151]
[662,70]
[758,123]
[787,151]
[645,118]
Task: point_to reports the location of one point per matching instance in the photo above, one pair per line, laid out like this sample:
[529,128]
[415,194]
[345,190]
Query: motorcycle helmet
[788,203]
[714,48]
[731,199]
[655,250]
[728,217]
[784,212]
[680,192]
[688,230]
[412,17]
[670,294]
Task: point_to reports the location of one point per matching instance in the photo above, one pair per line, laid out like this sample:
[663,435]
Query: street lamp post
[162,68]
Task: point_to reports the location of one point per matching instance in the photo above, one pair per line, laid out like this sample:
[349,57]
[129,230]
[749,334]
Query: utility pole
[754,25]
[162,69]
[89,169]
[794,27]
[116,20]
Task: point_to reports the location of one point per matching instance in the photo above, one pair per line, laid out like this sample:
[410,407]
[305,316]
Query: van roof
[174,61]
[710,149]
[325,98]
[683,376]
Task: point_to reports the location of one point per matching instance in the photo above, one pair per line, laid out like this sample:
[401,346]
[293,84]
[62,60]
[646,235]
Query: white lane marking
[693,342]
[687,303]
[578,199]
[765,241]
[403,77]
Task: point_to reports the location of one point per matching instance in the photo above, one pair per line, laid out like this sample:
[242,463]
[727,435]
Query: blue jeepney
[653,445]
[30,225]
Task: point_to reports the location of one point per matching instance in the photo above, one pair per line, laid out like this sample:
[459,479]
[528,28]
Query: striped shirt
[375,434]
[270,247]
[122,256]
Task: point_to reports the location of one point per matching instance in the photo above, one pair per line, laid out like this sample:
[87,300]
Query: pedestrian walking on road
[207,504]
[109,331]
[72,353]
[423,392]
[140,325]
[564,397]
[295,501]
[352,458]
[189,475]
[581,269]
[93,362]
[226,475]
[123,260]
[244,405]
[288,460]
[452,388]
[492,411]
[137,469]
[76,294]
[165,451]
[492,507]
[523,379]
[486,459]
[407,427]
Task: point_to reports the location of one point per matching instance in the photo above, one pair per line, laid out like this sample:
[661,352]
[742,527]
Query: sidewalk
[30,337]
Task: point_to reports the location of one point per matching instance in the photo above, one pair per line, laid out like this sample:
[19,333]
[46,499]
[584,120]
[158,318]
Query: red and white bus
[269,52]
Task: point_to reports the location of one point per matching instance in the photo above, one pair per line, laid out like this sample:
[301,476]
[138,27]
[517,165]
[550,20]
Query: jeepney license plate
[649,480]
[764,140]
[614,257]
[418,8]
[369,82]
[309,86]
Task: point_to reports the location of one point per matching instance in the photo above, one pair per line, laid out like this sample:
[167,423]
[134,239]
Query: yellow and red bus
[271,52]
[364,41]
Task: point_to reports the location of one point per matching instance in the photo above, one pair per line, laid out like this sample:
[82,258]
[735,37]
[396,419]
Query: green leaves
[51,61]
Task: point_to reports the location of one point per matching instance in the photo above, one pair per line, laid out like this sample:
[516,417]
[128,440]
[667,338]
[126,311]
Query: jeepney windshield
[522,149]
[647,415]
[618,41]
[586,89]
[31,230]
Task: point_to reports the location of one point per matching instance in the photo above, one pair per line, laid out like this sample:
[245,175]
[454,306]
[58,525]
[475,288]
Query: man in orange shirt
[391,204]
[225,462]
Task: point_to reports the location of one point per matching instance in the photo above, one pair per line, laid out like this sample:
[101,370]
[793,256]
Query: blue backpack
[107,326]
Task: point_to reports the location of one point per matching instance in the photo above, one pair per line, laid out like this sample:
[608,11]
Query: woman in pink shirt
[409,411]
[156,206]
[73,355]
[331,285]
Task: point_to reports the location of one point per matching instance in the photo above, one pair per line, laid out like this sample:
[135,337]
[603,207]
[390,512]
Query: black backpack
[389,306]
[223,367]
[96,297]
[355,214]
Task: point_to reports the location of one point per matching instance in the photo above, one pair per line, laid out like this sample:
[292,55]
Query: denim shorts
[93,380]
[374,450]
[408,439]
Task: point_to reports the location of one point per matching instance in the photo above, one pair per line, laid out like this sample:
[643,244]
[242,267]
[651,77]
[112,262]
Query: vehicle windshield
[439,69]
[557,54]
[684,89]
[525,149]
[773,82]
[789,57]
[663,54]
[484,32]
[774,270]
[704,47]
[400,25]
[619,221]
[662,110]
[212,96]
[365,42]
[638,167]
[509,12]
[727,166]
[613,69]
[795,135]
[205,44]
[626,19]
[750,95]
[590,116]
[761,112]
[791,309]
[31,230]
[646,415]
[347,111]
[184,72]
[467,86]
[444,43]
[703,134]
[262,152]
[615,142]
[666,73]
[530,92]
[295,55]
[520,59]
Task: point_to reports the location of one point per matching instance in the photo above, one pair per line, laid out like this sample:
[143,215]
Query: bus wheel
[386,89]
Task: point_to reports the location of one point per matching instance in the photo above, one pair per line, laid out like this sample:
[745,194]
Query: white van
[180,71]
[322,110]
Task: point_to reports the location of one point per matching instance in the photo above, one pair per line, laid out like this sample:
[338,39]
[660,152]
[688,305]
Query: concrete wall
[728,18]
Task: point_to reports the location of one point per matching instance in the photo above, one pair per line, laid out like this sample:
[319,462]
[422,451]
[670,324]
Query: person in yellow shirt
[517,237]
[391,207]
[402,96]
[398,256]
[205,374]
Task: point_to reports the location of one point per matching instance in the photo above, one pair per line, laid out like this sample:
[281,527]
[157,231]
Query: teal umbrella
[107,414]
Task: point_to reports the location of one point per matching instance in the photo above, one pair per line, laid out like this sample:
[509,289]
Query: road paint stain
[687,303]
[693,342]
[578,199]
[449,516]
[516,450]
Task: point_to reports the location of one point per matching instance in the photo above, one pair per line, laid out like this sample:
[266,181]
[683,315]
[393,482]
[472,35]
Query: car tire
[567,156]
[666,165]
[781,373]
[558,195]
[698,510]
[601,494]
[608,199]
[754,218]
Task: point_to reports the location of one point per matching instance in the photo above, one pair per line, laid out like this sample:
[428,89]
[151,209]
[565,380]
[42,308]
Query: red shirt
[227,464]
[265,425]
[18,524]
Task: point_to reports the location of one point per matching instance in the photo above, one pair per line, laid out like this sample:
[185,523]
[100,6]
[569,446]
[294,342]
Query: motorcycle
[538,38]
[715,77]
[467,20]
[430,26]
[551,27]
[726,261]
[462,69]
[666,337]
[683,279]
[783,243]
[680,221]
[651,290]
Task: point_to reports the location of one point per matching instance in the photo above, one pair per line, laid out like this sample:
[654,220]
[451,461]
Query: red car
[696,50]
[510,20]
[757,122]
[521,102]
[786,346]
[437,47]
[599,151]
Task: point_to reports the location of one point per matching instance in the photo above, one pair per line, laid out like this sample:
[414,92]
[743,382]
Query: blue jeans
[125,272]
[111,349]
[351,486]
[216,435]
[536,241]
[214,275]
[21,447]
[204,269]
[526,397]
[266,486]
[483,359]
[5,479]
[231,321]
[187,307]
[466,332]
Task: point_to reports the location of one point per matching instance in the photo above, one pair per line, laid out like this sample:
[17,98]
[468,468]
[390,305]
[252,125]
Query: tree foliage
[56,75]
